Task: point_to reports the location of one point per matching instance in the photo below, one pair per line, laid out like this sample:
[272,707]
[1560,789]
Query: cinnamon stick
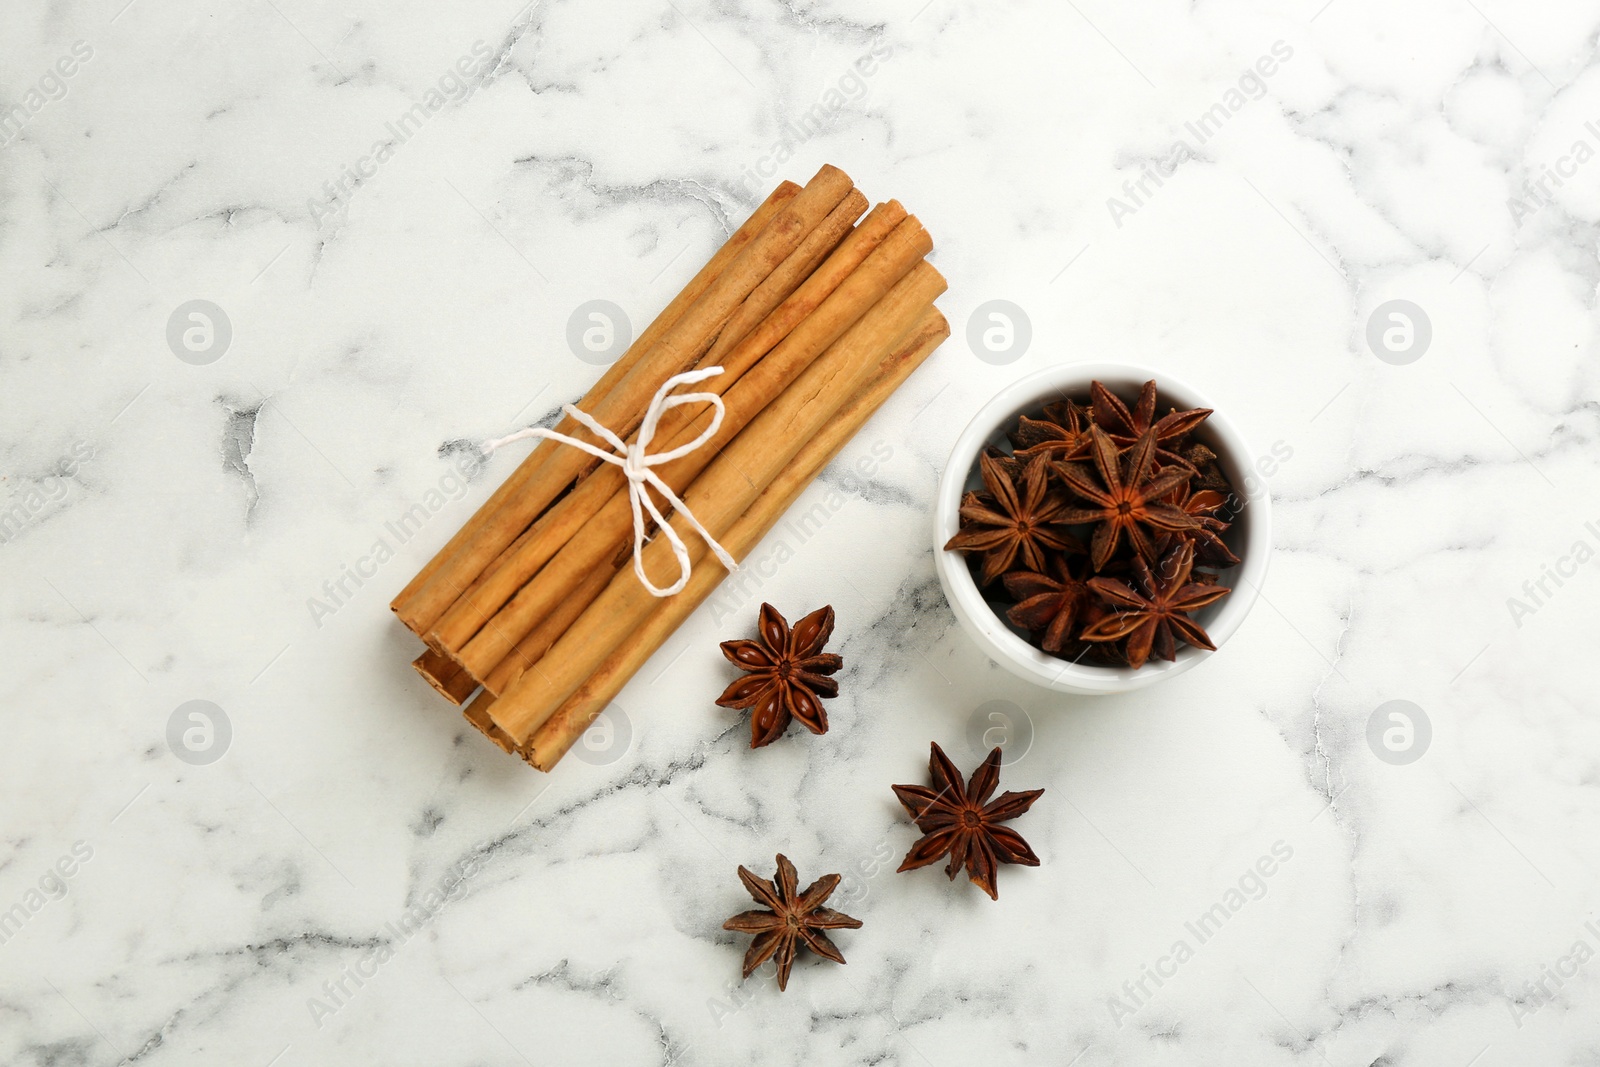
[782,283]
[610,528]
[551,741]
[879,225]
[403,602]
[767,296]
[724,490]
[678,347]
[477,713]
[516,567]
[445,675]
[532,647]
[558,734]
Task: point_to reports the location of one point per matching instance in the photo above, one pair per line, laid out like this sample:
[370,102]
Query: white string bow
[636,461]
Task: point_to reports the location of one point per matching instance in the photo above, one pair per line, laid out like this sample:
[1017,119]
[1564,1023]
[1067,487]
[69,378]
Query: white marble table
[1231,192]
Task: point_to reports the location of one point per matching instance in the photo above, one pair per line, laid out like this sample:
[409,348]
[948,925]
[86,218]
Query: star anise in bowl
[1016,521]
[1103,536]
[1156,608]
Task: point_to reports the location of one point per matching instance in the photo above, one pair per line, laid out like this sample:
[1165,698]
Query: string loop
[637,459]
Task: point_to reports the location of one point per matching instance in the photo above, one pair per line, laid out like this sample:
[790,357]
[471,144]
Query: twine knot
[636,461]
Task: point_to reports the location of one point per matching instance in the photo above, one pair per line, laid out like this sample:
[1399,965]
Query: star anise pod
[786,676]
[794,919]
[1097,653]
[1008,462]
[1061,434]
[1155,609]
[1020,523]
[1210,475]
[1048,604]
[1127,426]
[1209,547]
[1202,504]
[1129,496]
[960,821]
[1076,650]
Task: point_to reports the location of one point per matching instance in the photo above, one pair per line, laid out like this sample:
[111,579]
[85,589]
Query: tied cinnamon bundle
[814,315]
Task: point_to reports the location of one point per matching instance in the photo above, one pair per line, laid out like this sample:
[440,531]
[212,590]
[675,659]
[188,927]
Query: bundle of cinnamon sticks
[816,314]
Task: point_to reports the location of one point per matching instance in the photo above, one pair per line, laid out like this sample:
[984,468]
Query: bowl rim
[991,633]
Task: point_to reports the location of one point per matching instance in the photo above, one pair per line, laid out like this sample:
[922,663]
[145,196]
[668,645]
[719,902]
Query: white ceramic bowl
[1250,536]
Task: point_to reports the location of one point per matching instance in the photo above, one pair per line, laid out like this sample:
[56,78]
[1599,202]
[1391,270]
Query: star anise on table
[1049,604]
[1127,498]
[1013,523]
[786,674]
[794,919]
[1127,426]
[1155,608]
[959,820]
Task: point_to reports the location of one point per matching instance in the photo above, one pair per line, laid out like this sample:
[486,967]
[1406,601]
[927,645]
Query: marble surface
[328,867]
